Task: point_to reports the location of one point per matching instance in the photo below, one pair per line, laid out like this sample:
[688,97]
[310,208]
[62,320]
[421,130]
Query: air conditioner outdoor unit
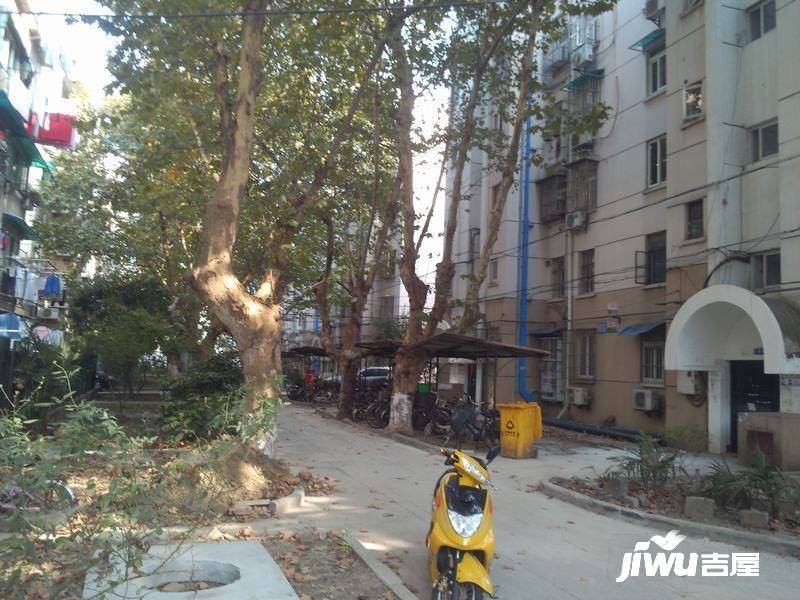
[49,313]
[646,400]
[582,56]
[652,8]
[575,219]
[579,396]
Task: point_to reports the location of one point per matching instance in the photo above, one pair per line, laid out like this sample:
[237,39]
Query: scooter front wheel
[461,591]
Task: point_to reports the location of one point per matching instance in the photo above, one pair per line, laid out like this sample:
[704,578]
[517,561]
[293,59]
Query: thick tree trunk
[408,367]
[261,366]
[347,391]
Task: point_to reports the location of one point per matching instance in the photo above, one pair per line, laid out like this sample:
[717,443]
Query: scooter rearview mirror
[492,454]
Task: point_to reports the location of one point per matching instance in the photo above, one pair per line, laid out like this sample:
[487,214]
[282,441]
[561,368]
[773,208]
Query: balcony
[25,287]
[556,58]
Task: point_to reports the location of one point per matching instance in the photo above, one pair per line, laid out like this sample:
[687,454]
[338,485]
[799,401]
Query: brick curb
[756,541]
[384,573]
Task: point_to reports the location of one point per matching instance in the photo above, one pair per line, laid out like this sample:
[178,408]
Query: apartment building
[652,257]
[381,318]
[34,114]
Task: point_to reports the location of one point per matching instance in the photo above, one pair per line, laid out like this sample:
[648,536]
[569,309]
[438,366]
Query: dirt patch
[195,485]
[322,566]
[670,499]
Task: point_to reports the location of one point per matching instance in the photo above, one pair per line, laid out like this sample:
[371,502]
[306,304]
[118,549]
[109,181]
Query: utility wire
[277,12]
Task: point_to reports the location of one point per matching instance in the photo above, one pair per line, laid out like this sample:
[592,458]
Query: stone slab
[256,576]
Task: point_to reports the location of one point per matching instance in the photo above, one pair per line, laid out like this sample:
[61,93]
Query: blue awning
[647,40]
[584,77]
[639,328]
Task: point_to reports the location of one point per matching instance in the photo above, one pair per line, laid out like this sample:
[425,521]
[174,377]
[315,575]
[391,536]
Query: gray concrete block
[288,504]
[615,487]
[698,508]
[756,519]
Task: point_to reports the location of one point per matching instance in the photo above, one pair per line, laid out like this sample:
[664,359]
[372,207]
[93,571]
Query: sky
[88,48]
[86,45]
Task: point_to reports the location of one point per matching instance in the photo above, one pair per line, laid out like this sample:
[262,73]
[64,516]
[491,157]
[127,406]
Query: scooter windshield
[463,499]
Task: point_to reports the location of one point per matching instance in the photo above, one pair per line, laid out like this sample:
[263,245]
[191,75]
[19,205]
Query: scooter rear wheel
[462,591]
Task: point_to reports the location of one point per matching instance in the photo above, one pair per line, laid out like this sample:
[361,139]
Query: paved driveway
[546,548]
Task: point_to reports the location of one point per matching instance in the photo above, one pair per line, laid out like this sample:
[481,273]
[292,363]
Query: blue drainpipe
[524,232]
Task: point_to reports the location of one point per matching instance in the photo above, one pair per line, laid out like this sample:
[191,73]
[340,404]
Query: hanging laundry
[52,286]
[42,333]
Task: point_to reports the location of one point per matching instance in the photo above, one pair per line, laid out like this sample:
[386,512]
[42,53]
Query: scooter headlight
[465,525]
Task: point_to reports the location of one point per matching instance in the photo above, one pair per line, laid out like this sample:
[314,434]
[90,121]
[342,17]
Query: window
[656,71]
[582,185]
[761,19]
[657,161]
[474,245]
[495,193]
[586,285]
[386,308]
[651,265]
[585,95]
[690,4]
[653,362]
[497,121]
[693,101]
[766,269]
[584,353]
[557,276]
[553,196]
[494,271]
[764,140]
[387,264]
[694,220]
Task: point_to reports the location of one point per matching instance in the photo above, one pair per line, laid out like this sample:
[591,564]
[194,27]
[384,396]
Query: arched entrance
[745,343]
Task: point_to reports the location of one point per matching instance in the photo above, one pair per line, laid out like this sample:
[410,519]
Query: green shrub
[686,437]
[50,544]
[648,463]
[204,403]
[764,484]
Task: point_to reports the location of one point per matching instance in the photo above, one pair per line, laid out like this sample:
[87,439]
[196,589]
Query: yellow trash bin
[520,424]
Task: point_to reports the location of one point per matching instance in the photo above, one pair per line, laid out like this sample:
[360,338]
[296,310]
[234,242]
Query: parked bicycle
[377,413]
[55,496]
[468,423]
[437,419]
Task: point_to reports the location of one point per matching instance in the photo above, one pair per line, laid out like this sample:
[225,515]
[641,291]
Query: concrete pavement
[546,548]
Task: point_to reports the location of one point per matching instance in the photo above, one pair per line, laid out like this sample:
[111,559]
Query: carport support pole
[719,408]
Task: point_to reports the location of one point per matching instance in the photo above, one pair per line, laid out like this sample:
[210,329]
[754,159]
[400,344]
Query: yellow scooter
[461,539]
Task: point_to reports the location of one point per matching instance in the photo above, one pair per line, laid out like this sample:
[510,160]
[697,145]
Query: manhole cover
[190,576]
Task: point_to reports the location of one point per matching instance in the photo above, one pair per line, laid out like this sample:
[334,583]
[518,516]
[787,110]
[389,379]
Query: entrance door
[752,390]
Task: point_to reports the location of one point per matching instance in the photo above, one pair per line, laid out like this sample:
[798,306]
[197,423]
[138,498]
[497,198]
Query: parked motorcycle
[461,540]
